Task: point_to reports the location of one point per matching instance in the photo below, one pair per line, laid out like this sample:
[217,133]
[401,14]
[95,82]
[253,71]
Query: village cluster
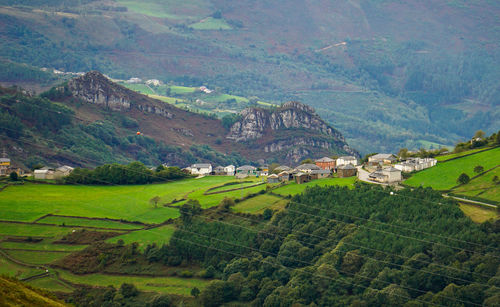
[380,168]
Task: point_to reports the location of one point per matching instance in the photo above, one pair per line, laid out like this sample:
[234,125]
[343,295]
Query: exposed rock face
[310,133]
[94,87]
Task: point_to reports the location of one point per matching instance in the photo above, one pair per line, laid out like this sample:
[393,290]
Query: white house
[44,174]
[346,160]
[201,169]
[154,82]
[230,169]
[63,171]
[415,164]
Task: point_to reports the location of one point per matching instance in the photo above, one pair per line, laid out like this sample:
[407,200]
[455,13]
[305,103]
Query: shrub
[463,178]
[186,274]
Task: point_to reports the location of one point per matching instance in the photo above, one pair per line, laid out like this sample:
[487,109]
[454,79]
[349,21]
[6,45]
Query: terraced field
[292,188]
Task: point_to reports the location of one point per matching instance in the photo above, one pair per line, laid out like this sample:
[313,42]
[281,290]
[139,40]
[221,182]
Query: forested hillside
[389,74]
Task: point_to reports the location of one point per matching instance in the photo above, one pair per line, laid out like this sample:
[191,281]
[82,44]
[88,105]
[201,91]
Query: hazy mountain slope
[419,72]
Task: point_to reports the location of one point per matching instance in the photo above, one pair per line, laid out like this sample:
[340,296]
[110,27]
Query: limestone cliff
[94,87]
[293,129]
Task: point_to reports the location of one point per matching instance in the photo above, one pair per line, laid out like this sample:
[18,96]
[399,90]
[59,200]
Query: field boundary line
[36,250]
[469,154]
[235,189]
[106,219]
[67,226]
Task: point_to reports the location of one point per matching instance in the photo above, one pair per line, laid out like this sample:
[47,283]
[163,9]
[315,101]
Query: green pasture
[170,100]
[180,90]
[211,23]
[444,175]
[170,285]
[36,257]
[477,213]
[207,201]
[293,188]
[139,87]
[50,283]
[33,230]
[159,235]
[84,222]
[15,270]
[459,154]
[168,8]
[42,246]
[482,186]
[236,185]
[259,203]
[131,202]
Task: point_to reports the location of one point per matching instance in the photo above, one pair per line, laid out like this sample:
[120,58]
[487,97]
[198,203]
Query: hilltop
[91,120]
[388,74]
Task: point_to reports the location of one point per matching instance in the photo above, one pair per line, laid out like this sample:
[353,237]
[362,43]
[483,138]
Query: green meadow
[36,257]
[457,155]
[32,201]
[257,204]
[211,23]
[42,246]
[482,186]
[292,188]
[477,213]
[444,175]
[172,285]
[159,235]
[15,270]
[31,230]
[85,222]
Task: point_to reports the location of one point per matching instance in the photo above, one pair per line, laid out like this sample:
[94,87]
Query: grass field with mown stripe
[159,235]
[71,221]
[169,285]
[259,203]
[444,175]
[292,188]
[478,214]
[36,257]
[128,202]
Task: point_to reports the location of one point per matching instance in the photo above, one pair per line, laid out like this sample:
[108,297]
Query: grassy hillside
[14,293]
[445,174]
[371,54]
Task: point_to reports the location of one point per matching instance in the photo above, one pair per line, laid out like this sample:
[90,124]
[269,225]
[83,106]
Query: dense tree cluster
[337,247]
[133,173]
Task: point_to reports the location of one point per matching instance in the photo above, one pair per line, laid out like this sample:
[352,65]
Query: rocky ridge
[307,132]
[94,87]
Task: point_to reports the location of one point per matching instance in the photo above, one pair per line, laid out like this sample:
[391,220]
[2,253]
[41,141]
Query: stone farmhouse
[326,163]
[348,170]
[382,159]
[387,175]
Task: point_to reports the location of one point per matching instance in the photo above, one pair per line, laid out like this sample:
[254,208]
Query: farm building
[63,171]
[285,176]
[44,173]
[263,171]
[4,166]
[307,168]
[382,159]
[201,169]
[320,173]
[218,171]
[415,164]
[386,175]
[346,160]
[273,179]
[346,171]
[301,177]
[230,169]
[326,163]
[247,170]
[282,168]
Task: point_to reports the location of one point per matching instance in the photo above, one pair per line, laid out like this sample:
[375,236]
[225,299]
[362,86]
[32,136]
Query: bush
[463,178]
[128,290]
[478,169]
[186,274]
[13,176]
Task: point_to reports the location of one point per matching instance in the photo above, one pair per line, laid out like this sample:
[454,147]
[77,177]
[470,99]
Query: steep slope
[96,121]
[15,293]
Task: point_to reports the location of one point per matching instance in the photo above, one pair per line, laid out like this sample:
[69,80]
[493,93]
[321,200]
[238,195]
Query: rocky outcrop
[94,87]
[311,134]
